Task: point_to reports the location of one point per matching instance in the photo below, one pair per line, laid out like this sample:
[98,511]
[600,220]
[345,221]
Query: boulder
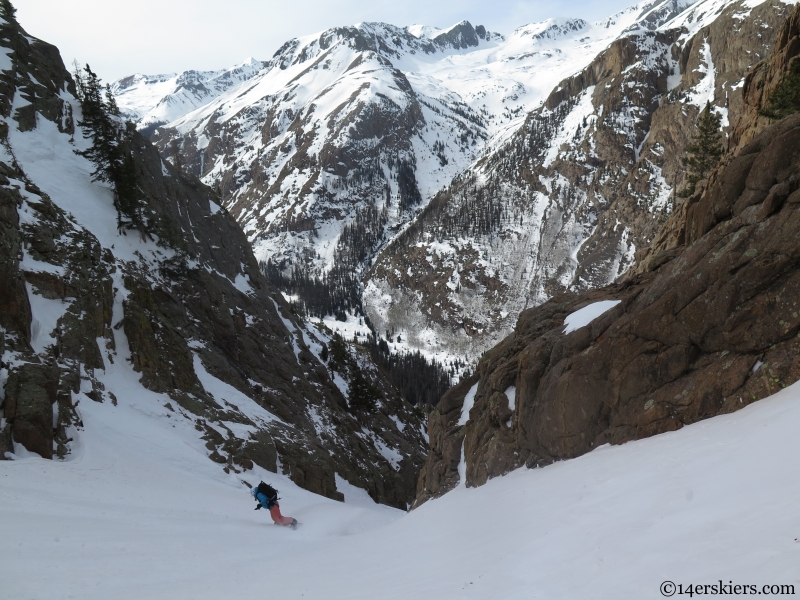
[30,394]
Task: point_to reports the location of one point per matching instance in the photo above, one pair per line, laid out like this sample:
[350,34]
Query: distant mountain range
[155,100]
[440,181]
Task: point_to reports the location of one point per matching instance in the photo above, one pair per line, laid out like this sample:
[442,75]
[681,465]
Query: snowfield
[140,512]
[587,314]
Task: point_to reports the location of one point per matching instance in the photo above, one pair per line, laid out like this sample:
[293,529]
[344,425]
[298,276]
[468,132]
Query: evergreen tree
[98,125]
[704,152]
[127,190]
[111,101]
[785,100]
[7,9]
[340,357]
[362,395]
[112,159]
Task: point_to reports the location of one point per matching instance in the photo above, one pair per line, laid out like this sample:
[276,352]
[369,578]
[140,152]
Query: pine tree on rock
[97,124]
[340,357]
[785,100]
[112,159]
[705,150]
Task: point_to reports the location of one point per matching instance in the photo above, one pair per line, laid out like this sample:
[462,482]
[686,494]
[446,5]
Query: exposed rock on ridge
[586,182]
[704,330]
[179,317]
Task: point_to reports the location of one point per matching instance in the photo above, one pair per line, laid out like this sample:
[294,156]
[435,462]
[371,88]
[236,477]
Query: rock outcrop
[179,308]
[708,323]
[568,200]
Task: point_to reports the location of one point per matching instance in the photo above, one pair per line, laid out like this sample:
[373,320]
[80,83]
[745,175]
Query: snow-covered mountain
[525,142]
[567,200]
[154,100]
[373,116]
[173,320]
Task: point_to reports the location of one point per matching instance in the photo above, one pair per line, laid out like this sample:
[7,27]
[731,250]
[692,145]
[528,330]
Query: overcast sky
[162,36]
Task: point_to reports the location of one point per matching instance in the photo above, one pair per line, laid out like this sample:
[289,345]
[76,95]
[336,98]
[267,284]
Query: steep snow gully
[137,513]
[136,510]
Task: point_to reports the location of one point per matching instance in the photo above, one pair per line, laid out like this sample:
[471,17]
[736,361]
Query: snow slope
[152,100]
[140,512]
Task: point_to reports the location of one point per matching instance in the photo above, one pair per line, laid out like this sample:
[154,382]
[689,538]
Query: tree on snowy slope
[705,150]
[112,160]
[362,395]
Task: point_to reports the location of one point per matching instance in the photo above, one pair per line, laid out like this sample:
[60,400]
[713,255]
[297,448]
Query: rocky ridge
[177,319]
[344,136]
[154,100]
[586,182]
[705,324]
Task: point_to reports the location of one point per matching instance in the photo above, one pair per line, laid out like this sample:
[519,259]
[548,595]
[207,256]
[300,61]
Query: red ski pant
[275,513]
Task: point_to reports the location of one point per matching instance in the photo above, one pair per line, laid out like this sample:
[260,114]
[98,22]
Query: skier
[267,496]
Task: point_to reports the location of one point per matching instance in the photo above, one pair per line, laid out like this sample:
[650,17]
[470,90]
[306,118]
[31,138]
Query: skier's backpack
[270,492]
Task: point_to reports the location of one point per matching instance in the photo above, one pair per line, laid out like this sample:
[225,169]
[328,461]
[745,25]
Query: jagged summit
[551,29]
[154,100]
[342,140]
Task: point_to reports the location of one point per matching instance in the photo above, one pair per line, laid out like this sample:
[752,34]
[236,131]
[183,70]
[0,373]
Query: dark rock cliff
[183,303]
[568,200]
[708,322]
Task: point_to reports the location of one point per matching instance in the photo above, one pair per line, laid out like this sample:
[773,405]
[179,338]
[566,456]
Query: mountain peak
[423,31]
[551,29]
[460,36]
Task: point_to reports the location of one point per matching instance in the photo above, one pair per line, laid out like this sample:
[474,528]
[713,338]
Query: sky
[164,36]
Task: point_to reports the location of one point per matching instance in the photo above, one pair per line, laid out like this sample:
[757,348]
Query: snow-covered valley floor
[139,512]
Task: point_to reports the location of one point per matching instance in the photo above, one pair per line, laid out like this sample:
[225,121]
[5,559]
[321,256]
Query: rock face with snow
[154,100]
[331,129]
[706,324]
[344,136]
[588,179]
[462,176]
[179,313]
